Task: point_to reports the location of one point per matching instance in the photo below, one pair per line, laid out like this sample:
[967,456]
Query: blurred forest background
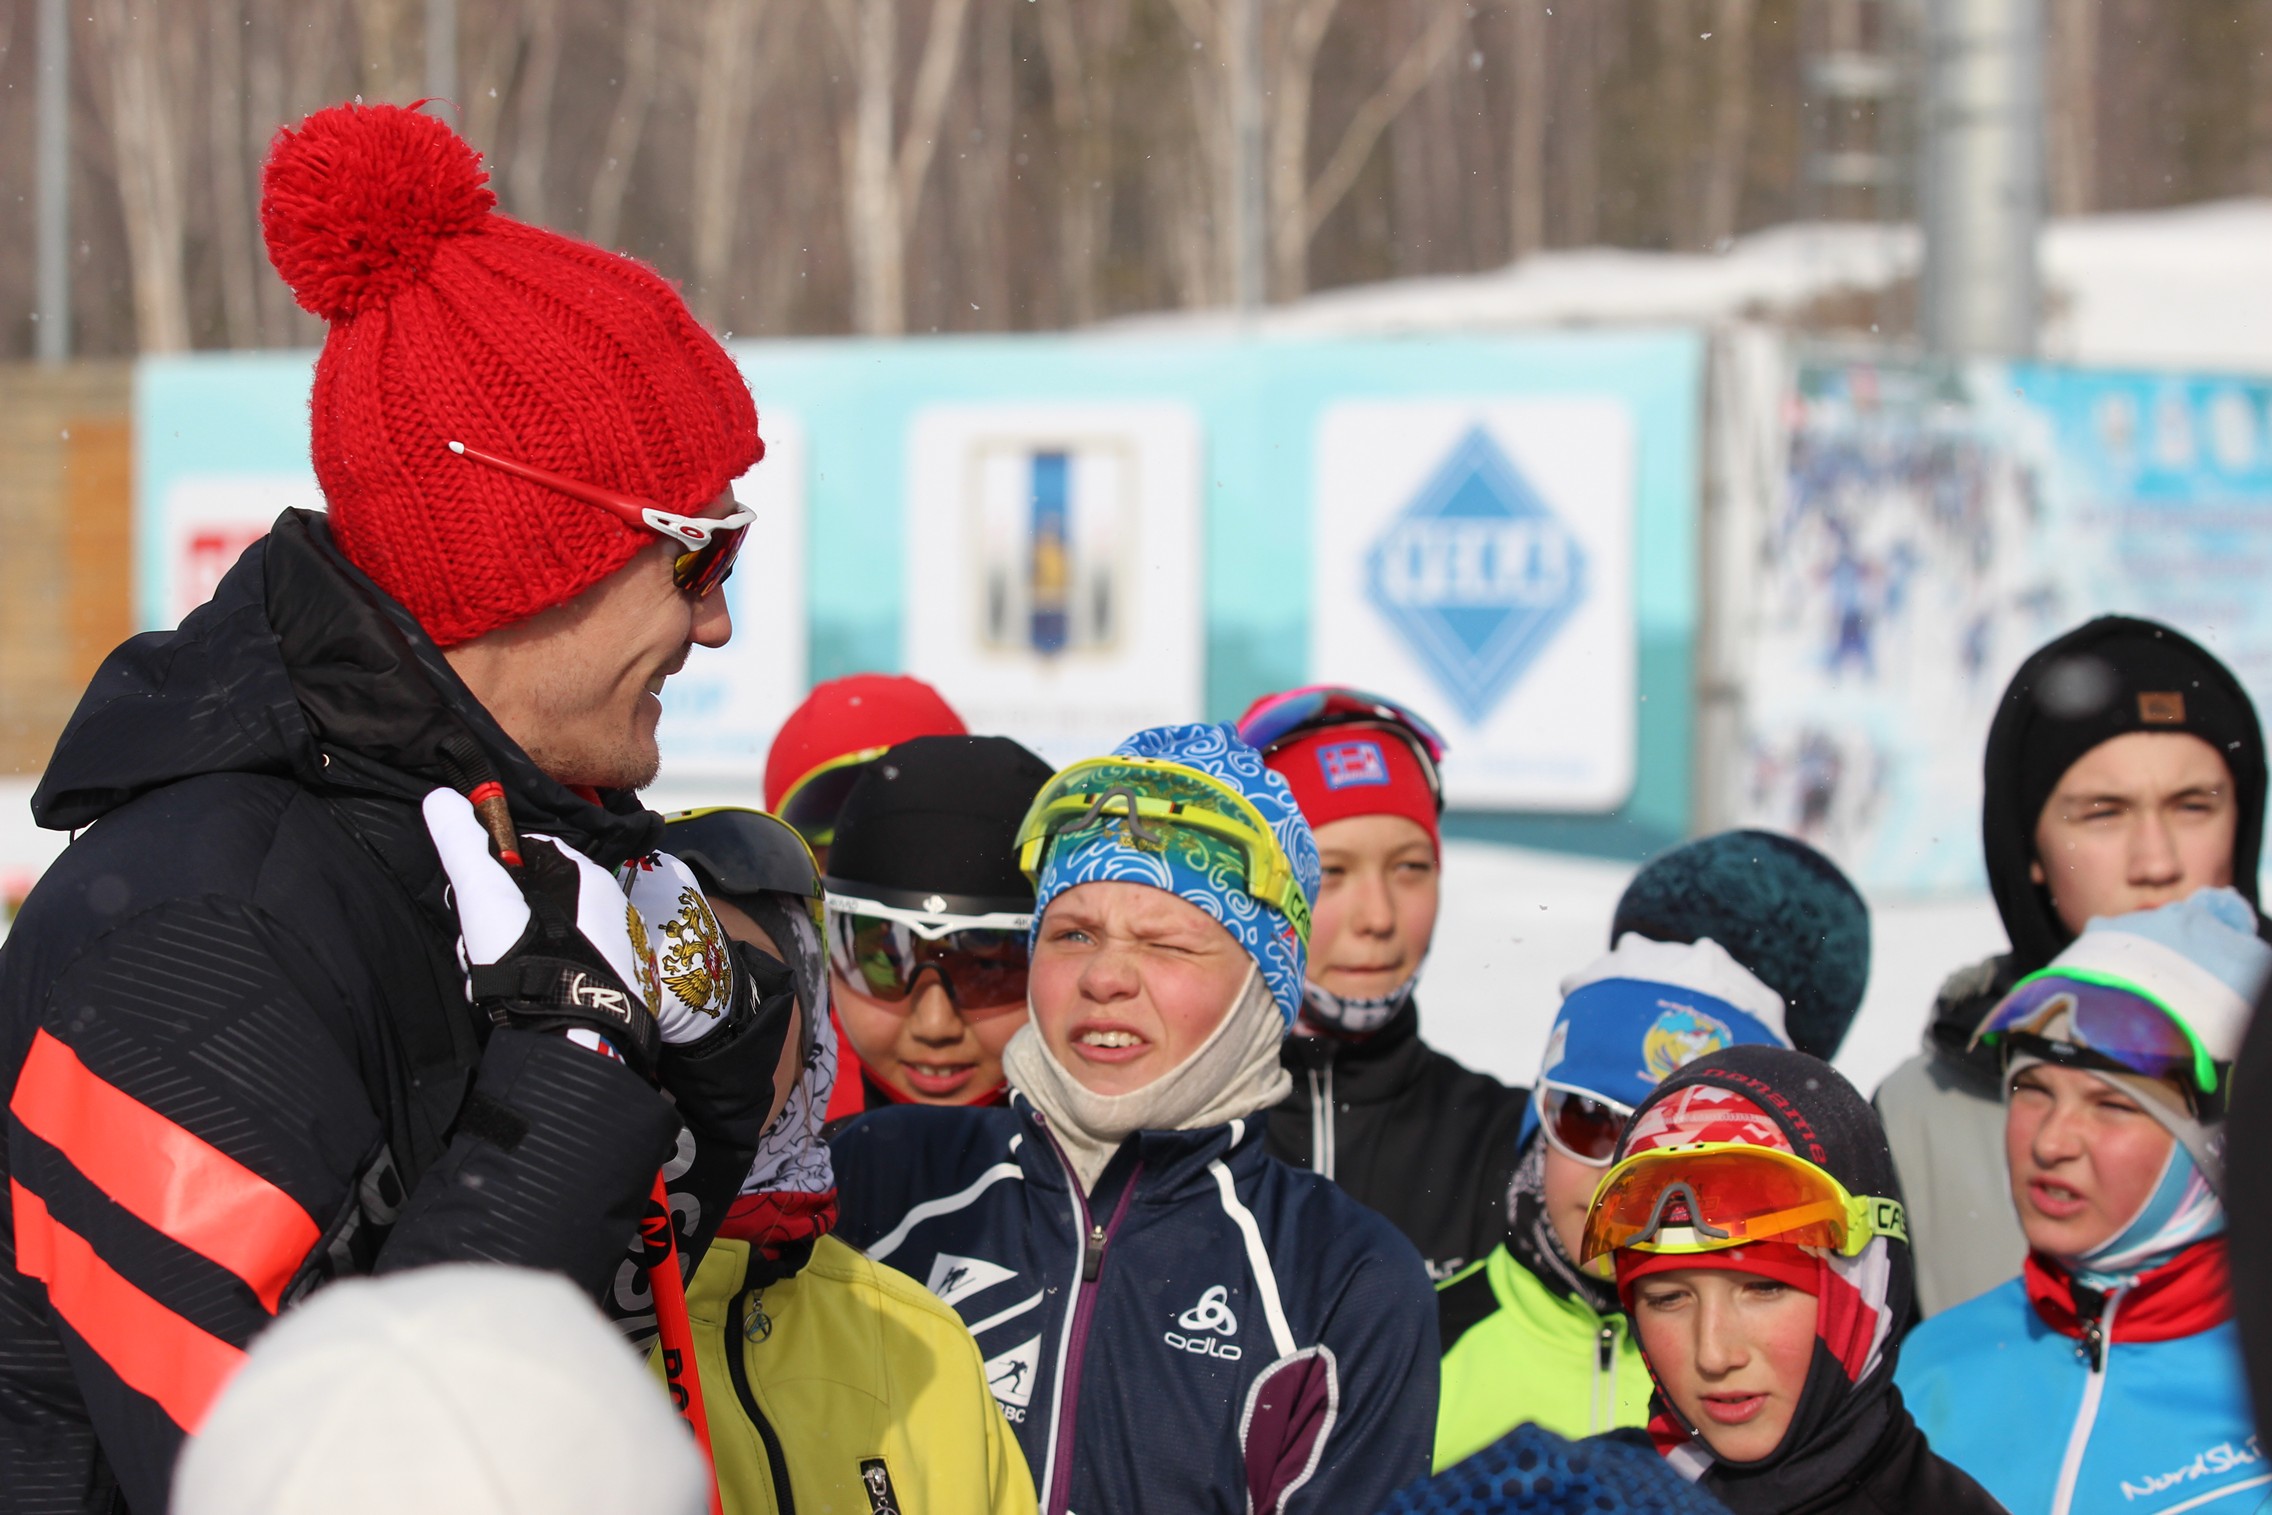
[883,166]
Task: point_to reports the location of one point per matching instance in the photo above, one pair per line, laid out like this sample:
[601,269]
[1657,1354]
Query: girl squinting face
[1731,1352]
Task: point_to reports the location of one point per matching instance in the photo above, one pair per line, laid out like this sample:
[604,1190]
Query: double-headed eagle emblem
[693,957]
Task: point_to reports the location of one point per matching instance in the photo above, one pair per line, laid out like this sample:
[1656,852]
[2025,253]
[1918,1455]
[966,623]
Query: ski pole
[675,1333]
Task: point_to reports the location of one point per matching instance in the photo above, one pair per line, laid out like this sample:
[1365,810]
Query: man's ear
[2035,872]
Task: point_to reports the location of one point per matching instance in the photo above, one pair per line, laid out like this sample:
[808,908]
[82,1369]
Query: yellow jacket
[852,1384]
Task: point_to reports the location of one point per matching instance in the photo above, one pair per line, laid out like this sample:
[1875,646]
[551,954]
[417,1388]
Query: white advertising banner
[1474,558]
[205,522]
[1054,568]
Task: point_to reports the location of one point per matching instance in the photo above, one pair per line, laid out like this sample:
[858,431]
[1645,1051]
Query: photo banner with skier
[1928,527]
[1073,537]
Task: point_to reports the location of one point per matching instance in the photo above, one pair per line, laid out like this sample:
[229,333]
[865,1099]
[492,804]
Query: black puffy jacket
[1412,1134]
[235,1039]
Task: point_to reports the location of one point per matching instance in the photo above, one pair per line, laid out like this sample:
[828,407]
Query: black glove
[551,947]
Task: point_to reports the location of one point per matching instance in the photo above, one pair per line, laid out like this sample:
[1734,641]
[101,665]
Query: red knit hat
[1343,771]
[452,322]
[861,713]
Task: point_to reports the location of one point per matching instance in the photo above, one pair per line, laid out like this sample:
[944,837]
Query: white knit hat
[468,1389]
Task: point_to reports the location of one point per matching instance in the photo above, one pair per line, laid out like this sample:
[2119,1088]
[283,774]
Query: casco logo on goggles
[1580,1126]
[881,951]
[1154,804]
[1717,1195]
[707,545]
[2109,1024]
[1301,712]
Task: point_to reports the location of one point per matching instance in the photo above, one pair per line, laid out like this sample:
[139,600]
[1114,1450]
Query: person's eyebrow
[2079,797]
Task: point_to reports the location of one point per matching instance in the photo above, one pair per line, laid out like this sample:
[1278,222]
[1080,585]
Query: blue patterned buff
[1194,869]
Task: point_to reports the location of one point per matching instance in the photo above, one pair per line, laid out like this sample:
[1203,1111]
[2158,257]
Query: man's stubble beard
[582,752]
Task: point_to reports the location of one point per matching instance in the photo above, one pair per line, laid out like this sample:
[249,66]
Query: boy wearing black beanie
[2125,769]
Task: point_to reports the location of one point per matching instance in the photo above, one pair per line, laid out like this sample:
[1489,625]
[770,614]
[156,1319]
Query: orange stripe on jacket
[161,1174]
[153,1350]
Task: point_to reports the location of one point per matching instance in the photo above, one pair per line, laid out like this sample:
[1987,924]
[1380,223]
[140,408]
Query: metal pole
[442,51]
[54,150]
[1249,225]
[1980,189]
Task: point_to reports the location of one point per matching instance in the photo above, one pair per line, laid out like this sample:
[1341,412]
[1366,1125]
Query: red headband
[1344,771]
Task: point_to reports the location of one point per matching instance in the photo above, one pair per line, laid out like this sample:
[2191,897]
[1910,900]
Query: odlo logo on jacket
[1211,1314]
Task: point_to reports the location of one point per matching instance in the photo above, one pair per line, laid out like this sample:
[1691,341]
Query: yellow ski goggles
[1715,1195]
[1154,804]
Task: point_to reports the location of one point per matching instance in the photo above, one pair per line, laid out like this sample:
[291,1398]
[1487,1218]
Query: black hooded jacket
[1409,1132]
[1851,1447]
[2107,677]
[235,1035]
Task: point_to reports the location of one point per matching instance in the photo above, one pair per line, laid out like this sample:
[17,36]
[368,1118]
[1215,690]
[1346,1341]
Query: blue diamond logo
[1477,575]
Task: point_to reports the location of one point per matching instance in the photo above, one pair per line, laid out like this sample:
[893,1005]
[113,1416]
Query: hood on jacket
[2106,678]
[1776,1098]
[300,667]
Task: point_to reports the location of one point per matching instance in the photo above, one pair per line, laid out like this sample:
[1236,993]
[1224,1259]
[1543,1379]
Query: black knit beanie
[2104,679]
[1778,907]
[937,817]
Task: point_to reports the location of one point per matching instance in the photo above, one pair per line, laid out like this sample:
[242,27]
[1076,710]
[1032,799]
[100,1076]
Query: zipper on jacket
[776,1460]
[2098,1331]
[1094,1240]
[1603,1409]
[1092,1255]
[1323,1140]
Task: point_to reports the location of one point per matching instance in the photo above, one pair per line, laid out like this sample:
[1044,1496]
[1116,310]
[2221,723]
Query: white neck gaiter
[1231,1074]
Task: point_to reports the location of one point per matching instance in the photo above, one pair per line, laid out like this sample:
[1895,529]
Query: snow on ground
[1514,922]
[2169,288]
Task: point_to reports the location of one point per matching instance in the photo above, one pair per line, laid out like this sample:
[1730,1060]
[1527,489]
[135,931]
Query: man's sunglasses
[707,545]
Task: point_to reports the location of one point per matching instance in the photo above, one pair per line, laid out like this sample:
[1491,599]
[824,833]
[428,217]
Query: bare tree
[1526,159]
[1081,76]
[982,213]
[2071,140]
[1298,209]
[1293,76]
[526,177]
[390,58]
[1202,243]
[1731,122]
[232,204]
[147,142]
[2258,170]
[884,170]
[721,131]
[619,151]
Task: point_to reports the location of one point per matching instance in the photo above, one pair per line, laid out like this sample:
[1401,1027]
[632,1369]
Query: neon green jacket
[1516,1351]
[852,1385]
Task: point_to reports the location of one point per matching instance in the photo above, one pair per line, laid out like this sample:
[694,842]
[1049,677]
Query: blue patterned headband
[1106,854]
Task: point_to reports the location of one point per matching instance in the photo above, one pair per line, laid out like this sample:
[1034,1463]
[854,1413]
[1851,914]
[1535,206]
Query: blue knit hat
[2199,957]
[1779,907]
[1105,854]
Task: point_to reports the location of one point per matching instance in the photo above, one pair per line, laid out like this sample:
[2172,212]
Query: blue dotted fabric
[1530,1469]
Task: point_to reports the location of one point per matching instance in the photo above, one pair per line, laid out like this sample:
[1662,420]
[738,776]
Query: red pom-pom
[354,203]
